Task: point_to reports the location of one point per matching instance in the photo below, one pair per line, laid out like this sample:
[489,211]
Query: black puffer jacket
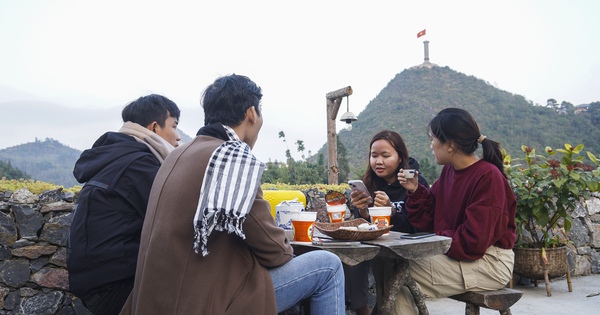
[397,195]
[107,221]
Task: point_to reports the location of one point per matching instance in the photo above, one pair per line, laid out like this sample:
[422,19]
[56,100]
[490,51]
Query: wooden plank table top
[349,254]
[397,247]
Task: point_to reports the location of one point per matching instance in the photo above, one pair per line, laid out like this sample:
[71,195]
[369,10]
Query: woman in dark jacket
[387,155]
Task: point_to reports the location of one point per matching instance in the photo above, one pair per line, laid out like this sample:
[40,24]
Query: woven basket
[528,262]
[333,230]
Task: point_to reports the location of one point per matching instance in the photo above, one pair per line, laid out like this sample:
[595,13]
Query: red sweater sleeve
[420,208]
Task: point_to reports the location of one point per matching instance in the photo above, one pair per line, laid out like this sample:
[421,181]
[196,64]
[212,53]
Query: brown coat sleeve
[267,240]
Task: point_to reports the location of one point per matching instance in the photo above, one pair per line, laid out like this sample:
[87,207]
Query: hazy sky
[103,54]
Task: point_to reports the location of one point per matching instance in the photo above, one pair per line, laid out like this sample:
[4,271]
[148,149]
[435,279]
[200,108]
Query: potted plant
[548,188]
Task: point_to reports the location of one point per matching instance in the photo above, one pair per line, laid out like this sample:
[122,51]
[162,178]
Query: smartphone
[358,184]
[417,235]
[331,242]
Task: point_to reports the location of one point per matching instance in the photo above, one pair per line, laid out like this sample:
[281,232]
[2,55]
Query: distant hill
[415,95]
[48,160]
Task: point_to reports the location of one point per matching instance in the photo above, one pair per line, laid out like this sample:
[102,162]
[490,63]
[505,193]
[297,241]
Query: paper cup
[380,216]
[408,173]
[303,225]
[336,213]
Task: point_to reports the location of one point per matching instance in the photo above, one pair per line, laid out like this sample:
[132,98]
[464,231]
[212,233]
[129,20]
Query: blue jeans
[317,275]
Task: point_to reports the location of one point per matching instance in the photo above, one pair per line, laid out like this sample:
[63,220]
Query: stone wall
[584,249]
[33,238]
[34,231]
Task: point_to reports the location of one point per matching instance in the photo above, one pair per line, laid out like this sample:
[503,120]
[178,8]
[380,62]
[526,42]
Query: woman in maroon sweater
[472,203]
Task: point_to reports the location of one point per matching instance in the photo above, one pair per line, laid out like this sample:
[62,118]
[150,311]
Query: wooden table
[389,246]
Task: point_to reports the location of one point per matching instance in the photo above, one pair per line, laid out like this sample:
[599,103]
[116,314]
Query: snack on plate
[367,227]
[349,228]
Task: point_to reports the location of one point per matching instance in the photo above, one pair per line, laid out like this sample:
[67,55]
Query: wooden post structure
[334,99]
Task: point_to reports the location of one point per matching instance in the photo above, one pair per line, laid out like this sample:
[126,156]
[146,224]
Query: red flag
[421,33]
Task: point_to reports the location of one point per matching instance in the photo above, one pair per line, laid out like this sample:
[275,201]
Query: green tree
[594,113]
[9,172]
[552,103]
[322,168]
[275,172]
[295,172]
[342,161]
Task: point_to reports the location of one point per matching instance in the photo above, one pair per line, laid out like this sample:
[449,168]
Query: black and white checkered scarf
[228,190]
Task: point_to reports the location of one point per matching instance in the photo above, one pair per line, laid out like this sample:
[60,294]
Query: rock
[49,196]
[68,196]
[22,243]
[593,206]
[3,293]
[57,206]
[37,264]
[56,278]
[23,196]
[579,233]
[595,228]
[34,251]
[595,261]
[8,230]
[12,300]
[56,230]
[316,202]
[28,221]
[579,211]
[5,253]
[59,258]
[583,266]
[27,292]
[6,195]
[41,304]
[585,250]
[14,272]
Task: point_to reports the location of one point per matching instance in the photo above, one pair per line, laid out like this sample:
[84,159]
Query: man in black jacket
[118,172]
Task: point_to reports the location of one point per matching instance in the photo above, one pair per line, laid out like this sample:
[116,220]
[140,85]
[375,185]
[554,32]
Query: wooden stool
[500,300]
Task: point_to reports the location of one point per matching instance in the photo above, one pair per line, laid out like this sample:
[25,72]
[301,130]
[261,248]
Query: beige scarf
[157,145]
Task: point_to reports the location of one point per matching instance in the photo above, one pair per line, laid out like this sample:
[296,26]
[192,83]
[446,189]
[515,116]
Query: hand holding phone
[359,200]
[358,185]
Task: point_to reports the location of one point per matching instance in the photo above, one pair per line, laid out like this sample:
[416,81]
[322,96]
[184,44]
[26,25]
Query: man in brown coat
[209,243]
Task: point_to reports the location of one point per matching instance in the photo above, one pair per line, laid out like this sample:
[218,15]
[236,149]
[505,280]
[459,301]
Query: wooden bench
[500,300]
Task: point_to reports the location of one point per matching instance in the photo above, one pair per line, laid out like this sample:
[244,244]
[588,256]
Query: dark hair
[150,108]
[457,125]
[228,98]
[371,180]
